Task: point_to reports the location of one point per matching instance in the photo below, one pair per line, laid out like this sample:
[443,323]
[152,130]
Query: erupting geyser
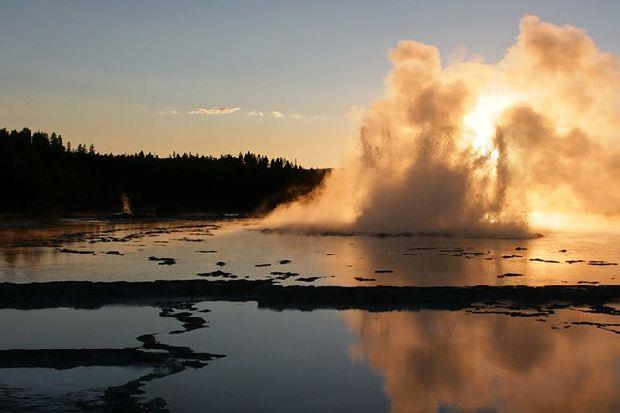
[480,149]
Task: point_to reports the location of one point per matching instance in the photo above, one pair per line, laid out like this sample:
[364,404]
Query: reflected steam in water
[452,361]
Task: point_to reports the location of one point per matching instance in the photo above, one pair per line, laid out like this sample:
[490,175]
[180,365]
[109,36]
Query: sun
[481,122]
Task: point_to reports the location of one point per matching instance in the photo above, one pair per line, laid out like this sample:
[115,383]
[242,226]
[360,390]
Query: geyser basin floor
[120,251]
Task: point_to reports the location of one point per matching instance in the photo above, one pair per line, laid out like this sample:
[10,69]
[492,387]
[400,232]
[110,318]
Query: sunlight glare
[480,122]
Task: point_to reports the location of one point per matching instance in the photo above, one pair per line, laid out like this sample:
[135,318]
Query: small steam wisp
[126,203]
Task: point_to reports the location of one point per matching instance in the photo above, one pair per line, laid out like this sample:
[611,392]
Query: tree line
[40,173]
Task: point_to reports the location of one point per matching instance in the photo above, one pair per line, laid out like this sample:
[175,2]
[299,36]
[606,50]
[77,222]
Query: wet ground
[261,346]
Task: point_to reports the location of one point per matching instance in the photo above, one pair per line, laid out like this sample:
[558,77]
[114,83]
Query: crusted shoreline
[162,359]
[86,294]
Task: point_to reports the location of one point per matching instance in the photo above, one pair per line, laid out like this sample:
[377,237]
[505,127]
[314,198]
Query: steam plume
[126,204]
[480,148]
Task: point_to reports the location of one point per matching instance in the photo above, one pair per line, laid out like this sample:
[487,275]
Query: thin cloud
[167,112]
[270,114]
[220,110]
[355,113]
[275,114]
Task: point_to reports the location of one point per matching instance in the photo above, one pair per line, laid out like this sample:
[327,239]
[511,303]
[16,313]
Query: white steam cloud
[479,148]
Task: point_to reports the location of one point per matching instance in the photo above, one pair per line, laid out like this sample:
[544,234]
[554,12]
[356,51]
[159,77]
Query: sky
[279,78]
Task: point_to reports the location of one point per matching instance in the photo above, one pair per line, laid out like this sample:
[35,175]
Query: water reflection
[327,360]
[438,361]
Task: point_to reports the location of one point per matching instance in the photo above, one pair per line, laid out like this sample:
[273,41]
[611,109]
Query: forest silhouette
[41,174]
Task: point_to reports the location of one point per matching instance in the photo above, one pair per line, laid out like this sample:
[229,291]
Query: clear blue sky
[112,72]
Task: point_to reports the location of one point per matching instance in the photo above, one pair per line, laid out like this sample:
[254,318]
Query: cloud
[271,114]
[220,110]
[167,112]
[355,113]
[276,114]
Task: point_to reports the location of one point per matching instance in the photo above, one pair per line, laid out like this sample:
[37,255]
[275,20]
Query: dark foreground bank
[86,294]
